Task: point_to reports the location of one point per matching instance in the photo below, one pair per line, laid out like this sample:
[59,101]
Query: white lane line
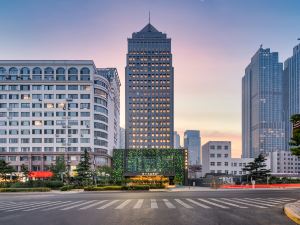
[244,203]
[94,204]
[139,204]
[63,205]
[26,206]
[108,204]
[153,204]
[169,204]
[183,203]
[5,204]
[288,199]
[261,201]
[198,203]
[42,206]
[228,203]
[212,203]
[253,202]
[76,205]
[123,204]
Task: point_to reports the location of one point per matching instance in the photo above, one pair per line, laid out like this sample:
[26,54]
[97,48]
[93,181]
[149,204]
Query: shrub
[103,188]
[53,184]
[156,186]
[67,188]
[40,189]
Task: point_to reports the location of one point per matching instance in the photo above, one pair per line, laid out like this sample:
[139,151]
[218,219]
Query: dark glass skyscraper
[192,142]
[262,105]
[149,86]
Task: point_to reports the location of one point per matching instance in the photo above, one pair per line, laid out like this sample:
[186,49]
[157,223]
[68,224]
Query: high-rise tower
[262,105]
[149,84]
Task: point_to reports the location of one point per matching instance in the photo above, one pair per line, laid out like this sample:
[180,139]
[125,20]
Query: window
[49,87]
[60,96]
[212,163]
[37,122]
[37,70]
[219,147]
[60,87]
[211,147]
[25,114]
[36,87]
[36,140]
[226,163]
[73,87]
[13,71]
[212,155]
[24,87]
[85,96]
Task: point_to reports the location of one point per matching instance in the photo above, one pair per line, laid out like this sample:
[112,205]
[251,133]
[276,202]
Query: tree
[5,169]
[25,171]
[257,169]
[104,173]
[59,169]
[295,140]
[84,172]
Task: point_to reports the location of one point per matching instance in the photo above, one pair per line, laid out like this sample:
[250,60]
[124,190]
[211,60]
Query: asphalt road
[234,207]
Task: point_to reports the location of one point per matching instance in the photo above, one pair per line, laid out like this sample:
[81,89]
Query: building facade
[149,90]
[176,140]
[263,127]
[192,142]
[122,138]
[52,108]
[216,159]
[291,87]
[284,163]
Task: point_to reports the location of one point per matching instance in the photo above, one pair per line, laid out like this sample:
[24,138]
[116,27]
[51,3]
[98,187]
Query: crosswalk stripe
[108,204]
[42,206]
[153,204]
[74,206]
[123,204]
[169,204]
[139,204]
[26,206]
[255,202]
[269,201]
[288,199]
[183,203]
[12,204]
[94,204]
[198,203]
[261,201]
[63,205]
[212,203]
[228,203]
[245,203]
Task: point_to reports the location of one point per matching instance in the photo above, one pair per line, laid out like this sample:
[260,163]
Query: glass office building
[262,105]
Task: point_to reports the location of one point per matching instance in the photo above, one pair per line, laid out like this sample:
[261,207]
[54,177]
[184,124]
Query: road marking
[261,201]
[123,204]
[256,202]
[198,203]
[108,204]
[169,204]
[42,206]
[153,204]
[244,203]
[12,204]
[183,203]
[269,201]
[251,201]
[74,206]
[228,203]
[139,204]
[212,203]
[26,206]
[94,204]
[63,205]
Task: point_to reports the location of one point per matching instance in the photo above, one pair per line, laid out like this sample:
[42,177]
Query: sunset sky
[212,43]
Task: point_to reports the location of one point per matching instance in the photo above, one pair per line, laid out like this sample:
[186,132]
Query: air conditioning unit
[81,135]
[64,144]
[56,135]
[69,144]
[9,109]
[69,135]
[87,126]
[64,126]
[64,117]
[69,126]
[40,99]
[69,99]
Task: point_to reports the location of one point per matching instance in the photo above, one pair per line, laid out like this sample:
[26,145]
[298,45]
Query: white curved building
[51,108]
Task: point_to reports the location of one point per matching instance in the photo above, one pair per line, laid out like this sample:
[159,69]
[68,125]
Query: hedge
[67,188]
[40,189]
[53,184]
[115,188]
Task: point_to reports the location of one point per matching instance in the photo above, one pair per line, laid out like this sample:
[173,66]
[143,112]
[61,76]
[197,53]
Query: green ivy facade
[170,163]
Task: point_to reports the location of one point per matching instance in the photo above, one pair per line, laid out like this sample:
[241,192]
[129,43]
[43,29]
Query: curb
[289,212]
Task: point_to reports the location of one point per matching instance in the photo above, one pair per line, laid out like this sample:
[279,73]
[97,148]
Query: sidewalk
[191,189]
[292,210]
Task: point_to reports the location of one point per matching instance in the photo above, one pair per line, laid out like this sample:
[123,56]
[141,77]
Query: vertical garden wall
[165,162]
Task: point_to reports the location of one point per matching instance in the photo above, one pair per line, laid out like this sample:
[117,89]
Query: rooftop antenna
[260,45]
[298,39]
[149,17]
